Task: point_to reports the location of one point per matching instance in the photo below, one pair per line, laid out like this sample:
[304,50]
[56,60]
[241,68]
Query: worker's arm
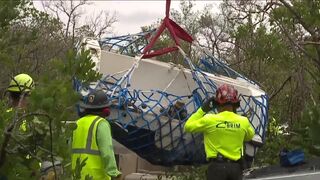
[196,122]
[104,141]
[249,131]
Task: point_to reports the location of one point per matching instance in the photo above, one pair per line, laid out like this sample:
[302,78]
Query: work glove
[209,104]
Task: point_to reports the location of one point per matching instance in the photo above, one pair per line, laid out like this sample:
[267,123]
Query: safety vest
[84,145]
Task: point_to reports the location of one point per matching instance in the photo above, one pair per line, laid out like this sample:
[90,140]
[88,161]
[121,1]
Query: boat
[151,100]
[142,109]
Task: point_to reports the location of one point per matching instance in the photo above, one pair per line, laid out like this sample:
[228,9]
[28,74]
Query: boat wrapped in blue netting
[151,100]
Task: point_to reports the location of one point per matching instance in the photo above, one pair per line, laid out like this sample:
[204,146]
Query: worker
[224,133]
[92,139]
[29,132]
[18,90]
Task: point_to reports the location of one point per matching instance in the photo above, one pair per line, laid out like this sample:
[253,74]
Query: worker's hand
[209,104]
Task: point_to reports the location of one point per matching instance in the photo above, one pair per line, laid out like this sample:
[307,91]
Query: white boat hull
[154,75]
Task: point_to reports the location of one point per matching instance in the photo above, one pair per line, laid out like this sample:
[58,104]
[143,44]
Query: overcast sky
[132,15]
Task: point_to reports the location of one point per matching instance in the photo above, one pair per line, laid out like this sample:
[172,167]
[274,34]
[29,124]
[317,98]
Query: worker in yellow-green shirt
[92,139]
[18,91]
[28,131]
[224,133]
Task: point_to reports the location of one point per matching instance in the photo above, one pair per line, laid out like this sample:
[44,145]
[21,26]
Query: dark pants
[224,171]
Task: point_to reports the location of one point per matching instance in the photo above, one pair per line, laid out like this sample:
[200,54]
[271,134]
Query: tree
[52,105]
[188,21]
[274,43]
[214,33]
[97,25]
[25,39]
[70,13]
[269,47]
[69,10]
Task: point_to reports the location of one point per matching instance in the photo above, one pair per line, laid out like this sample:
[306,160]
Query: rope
[120,72]
[185,77]
[175,77]
[224,67]
[193,69]
[128,73]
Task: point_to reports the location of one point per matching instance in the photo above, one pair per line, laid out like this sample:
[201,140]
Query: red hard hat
[227,94]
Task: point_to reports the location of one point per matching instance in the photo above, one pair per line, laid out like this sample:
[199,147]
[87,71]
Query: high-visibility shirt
[24,130]
[92,139]
[23,126]
[224,132]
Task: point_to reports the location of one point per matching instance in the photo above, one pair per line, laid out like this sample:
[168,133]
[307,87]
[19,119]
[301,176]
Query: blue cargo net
[150,121]
[130,45]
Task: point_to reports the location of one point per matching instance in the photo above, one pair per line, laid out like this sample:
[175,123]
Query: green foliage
[305,133]
[78,167]
[303,13]
[16,164]
[277,139]
[10,11]
[262,52]
[31,42]
[313,116]
[28,42]
[55,87]
[54,97]
[84,71]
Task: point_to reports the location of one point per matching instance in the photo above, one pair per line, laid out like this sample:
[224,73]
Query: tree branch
[281,87]
[298,17]
[8,132]
[309,43]
[295,43]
